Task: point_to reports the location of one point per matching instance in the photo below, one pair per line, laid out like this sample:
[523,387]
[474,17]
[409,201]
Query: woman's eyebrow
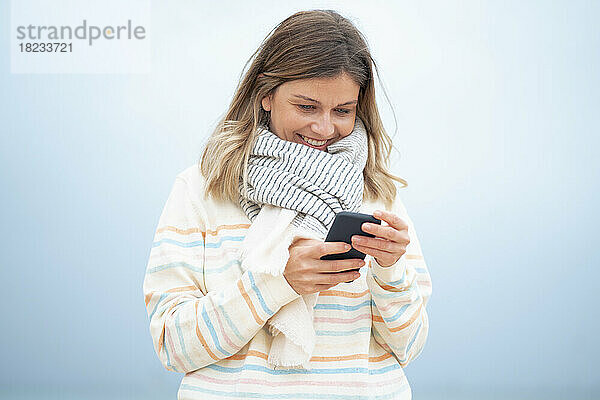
[317,101]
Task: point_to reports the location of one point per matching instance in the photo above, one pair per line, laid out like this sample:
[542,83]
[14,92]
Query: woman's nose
[323,126]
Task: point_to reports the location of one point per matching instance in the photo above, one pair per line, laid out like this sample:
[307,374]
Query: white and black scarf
[315,183]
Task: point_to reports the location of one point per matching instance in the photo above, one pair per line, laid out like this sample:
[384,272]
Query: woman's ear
[266,103]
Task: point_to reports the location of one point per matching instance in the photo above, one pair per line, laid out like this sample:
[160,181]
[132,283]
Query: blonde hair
[307,44]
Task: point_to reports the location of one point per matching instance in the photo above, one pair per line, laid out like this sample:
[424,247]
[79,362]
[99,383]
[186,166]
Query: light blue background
[498,129]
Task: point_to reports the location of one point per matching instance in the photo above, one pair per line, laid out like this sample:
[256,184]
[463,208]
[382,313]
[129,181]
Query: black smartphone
[345,225]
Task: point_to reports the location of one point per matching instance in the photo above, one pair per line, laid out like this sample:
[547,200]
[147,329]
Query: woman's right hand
[307,273]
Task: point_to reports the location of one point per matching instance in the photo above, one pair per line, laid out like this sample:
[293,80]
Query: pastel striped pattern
[207,318]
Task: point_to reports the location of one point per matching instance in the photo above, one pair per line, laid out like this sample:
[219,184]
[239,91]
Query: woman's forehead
[322,89]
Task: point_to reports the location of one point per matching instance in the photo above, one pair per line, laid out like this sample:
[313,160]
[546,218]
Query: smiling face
[321,109]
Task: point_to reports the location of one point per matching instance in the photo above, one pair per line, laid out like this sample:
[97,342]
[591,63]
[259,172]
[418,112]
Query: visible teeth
[314,142]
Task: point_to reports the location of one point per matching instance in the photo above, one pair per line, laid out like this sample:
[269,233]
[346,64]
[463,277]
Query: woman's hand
[307,273]
[389,243]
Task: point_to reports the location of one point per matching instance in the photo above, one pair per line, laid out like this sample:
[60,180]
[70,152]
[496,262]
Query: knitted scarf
[317,184]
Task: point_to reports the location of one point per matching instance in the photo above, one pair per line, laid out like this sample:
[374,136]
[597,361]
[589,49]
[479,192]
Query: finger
[321,288]
[392,219]
[334,279]
[376,253]
[326,248]
[385,232]
[377,244]
[335,266]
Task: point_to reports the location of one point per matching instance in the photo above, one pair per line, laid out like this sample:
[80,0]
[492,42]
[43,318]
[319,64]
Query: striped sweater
[207,316]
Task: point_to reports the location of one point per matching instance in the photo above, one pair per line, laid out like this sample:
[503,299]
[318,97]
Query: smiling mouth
[314,143]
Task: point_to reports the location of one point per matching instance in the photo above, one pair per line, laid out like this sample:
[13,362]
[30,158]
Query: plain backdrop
[496,127]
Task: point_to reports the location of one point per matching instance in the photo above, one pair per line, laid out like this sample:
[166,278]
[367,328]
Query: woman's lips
[314,147]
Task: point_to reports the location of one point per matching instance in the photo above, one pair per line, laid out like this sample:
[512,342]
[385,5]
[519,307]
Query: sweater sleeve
[400,294]
[191,328]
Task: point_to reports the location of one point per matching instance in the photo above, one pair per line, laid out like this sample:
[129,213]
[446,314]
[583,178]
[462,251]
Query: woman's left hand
[389,243]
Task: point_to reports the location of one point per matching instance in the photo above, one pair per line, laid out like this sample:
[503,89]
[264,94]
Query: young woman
[301,141]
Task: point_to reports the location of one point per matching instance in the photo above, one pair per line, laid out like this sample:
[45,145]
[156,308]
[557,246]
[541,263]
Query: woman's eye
[305,107]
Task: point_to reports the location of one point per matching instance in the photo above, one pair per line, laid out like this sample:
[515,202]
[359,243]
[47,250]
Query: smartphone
[345,225]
